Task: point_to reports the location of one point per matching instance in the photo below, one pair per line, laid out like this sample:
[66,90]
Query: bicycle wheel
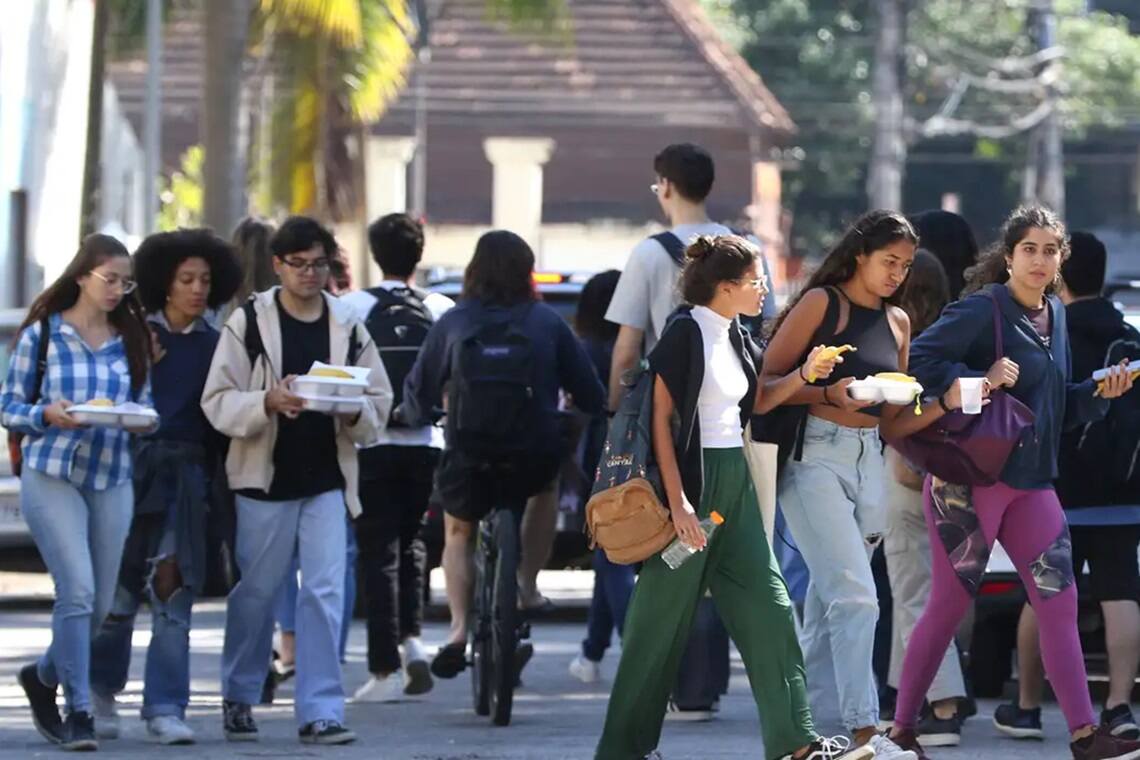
[479,622]
[504,622]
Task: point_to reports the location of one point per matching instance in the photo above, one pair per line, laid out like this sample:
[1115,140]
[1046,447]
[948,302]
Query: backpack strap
[673,246]
[254,347]
[42,344]
[354,347]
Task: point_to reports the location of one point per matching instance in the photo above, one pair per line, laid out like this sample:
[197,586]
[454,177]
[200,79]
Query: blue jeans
[80,535]
[833,502]
[613,586]
[286,606]
[268,535]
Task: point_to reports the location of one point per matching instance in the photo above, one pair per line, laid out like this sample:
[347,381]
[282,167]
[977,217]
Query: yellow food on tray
[101,402]
[1100,385]
[831,352]
[896,376]
[329,372]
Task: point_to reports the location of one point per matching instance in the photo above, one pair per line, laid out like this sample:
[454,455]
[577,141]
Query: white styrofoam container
[1101,374]
[327,387]
[120,416]
[877,390]
[333,404]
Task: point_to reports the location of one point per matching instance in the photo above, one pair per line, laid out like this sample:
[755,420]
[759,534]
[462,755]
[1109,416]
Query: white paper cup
[972,394]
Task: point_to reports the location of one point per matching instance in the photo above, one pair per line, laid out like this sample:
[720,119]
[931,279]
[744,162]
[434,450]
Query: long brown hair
[127,318]
[926,293]
[992,266]
[501,273]
[871,232]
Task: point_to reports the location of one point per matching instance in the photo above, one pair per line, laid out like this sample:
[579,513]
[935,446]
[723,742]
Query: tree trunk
[888,150]
[223,173]
[92,160]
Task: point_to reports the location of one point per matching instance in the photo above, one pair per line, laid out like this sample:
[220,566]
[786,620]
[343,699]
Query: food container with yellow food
[334,404]
[890,387]
[328,381]
[1100,375]
[105,413]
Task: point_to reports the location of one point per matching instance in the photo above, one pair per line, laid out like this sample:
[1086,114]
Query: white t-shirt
[724,384]
[437,304]
[647,292]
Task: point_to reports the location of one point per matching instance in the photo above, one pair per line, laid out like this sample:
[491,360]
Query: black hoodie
[1093,326]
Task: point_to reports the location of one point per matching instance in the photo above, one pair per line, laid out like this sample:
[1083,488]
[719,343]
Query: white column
[385,186]
[517,197]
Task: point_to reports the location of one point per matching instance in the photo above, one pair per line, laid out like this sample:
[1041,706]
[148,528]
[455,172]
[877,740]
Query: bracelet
[802,375]
[942,403]
[827,401]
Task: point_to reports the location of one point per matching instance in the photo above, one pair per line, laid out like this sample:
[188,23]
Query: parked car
[1001,595]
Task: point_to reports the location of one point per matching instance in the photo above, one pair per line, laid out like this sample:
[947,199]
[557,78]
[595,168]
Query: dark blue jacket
[961,344]
[560,363]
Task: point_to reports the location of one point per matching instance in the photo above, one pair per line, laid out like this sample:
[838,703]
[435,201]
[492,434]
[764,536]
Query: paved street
[555,716]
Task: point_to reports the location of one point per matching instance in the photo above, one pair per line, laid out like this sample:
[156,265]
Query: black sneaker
[939,732]
[1016,723]
[1102,745]
[450,661]
[79,733]
[45,711]
[238,723]
[1120,723]
[326,732]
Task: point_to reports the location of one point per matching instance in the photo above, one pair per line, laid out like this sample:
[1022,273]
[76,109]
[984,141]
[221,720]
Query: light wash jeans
[833,503]
[907,546]
[80,535]
[268,534]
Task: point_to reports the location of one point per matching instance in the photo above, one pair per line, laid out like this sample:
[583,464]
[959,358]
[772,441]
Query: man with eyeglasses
[293,472]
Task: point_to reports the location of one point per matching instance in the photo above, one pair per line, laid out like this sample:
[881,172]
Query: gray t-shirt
[647,292]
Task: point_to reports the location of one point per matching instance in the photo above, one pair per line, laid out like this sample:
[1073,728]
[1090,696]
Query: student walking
[706,370]
[83,340]
[1098,484]
[396,472]
[180,275]
[1013,286]
[293,471]
[832,493]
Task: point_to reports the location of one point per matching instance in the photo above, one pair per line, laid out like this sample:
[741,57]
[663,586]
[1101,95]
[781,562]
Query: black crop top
[869,330]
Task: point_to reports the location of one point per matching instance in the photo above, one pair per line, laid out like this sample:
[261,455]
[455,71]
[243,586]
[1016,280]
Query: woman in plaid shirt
[75,485]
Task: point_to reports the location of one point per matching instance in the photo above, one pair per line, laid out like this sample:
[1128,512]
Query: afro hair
[159,256]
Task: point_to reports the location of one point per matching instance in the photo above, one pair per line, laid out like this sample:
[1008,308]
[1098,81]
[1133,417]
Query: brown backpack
[626,515]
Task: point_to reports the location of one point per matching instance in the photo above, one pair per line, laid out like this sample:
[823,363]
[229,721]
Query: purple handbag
[972,449]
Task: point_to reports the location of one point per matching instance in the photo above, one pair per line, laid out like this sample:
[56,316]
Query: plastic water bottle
[677,552]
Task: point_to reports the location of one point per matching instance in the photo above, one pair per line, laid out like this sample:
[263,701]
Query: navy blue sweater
[961,344]
[177,381]
[560,363]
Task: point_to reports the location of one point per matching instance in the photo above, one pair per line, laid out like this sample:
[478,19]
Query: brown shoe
[908,740]
[1102,745]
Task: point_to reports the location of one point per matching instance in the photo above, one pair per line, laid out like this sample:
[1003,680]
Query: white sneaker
[169,730]
[834,748]
[585,669]
[106,716]
[387,689]
[417,668]
[885,749]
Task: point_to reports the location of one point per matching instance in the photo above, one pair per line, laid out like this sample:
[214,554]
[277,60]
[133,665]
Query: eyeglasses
[760,283]
[319,265]
[115,281]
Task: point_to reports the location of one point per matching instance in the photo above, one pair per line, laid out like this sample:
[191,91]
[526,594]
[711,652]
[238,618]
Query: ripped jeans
[166,686]
[832,500]
[964,522]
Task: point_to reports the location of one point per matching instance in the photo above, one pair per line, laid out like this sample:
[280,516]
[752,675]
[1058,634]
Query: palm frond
[339,20]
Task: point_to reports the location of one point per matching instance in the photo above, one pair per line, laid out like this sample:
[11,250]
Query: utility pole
[1051,152]
[92,161]
[419,159]
[152,115]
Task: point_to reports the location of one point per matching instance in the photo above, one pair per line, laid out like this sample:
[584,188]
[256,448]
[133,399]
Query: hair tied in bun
[701,248]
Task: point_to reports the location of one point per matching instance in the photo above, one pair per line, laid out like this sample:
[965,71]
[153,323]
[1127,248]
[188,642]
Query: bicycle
[496,625]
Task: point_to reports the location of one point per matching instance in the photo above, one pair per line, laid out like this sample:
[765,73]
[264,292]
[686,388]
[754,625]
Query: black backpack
[1107,465]
[399,323]
[492,409]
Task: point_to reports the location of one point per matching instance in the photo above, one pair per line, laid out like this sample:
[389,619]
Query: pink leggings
[963,525]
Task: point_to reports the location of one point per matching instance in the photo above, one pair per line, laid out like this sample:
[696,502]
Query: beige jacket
[234,397]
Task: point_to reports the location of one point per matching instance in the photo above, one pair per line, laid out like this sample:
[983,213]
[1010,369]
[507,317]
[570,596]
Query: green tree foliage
[181,197]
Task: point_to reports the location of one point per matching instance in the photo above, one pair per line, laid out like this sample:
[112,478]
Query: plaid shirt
[92,458]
